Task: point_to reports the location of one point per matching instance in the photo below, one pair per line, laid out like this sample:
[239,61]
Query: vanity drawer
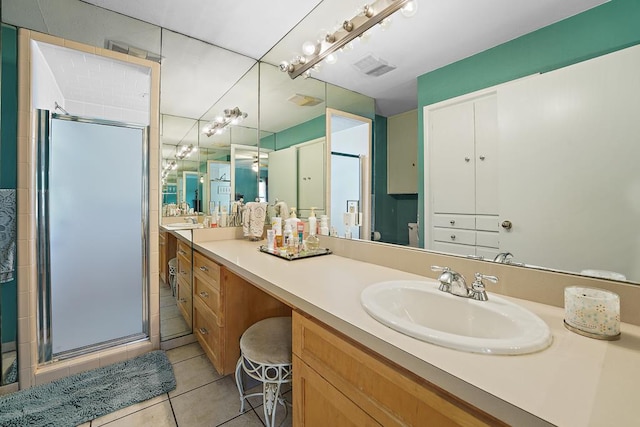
[488,239]
[455,221]
[184,299]
[184,250]
[209,296]
[453,248]
[184,269]
[206,270]
[208,333]
[452,235]
[487,223]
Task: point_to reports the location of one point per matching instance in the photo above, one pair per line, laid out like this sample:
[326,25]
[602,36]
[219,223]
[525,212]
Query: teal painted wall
[307,131]
[604,29]
[9,162]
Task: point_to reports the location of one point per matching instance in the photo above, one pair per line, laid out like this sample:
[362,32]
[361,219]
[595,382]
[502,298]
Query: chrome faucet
[192,220]
[503,258]
[452,282]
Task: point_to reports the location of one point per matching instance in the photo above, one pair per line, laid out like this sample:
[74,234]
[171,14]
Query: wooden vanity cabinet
[184,293]
[337,381]
[225,305]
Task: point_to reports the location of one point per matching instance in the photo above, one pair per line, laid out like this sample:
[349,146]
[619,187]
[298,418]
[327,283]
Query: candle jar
[592,312]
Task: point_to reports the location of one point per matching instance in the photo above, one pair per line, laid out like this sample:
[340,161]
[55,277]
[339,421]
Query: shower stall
[92,219]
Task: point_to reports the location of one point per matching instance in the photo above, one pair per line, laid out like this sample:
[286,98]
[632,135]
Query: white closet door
[486,124]
[452,164]
[569,156]
[311,179]
[283,173]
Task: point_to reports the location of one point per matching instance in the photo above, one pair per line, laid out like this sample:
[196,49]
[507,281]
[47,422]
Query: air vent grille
[372,66]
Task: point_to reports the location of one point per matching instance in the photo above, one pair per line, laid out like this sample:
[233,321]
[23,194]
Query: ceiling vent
[130,50]
[304,100]
[372,66]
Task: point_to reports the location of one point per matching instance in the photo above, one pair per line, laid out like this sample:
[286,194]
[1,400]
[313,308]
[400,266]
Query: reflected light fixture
[328,46]
[186,151]
[231,116]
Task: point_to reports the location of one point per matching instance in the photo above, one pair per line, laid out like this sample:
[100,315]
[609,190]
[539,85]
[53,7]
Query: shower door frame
[44,310]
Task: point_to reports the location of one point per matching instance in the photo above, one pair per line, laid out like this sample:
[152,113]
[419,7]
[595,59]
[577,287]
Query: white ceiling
[442,32]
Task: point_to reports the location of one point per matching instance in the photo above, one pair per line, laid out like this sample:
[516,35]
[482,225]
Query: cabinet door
[311,179]
[402,153]
[452,159]
[318,403]
[486,134]
[283,173]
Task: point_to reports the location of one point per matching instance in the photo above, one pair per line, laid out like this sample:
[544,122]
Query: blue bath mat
[82,397]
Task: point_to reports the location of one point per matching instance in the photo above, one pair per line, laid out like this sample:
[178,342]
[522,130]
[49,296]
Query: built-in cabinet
[337,382]
[402,153]
[183,293]
[297,176]
[224,306]
[462,185]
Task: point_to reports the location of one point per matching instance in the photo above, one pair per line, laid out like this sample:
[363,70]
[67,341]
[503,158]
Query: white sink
[182,225]
[420,310]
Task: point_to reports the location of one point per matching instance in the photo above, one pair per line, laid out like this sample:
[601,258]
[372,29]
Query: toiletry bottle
[312,242]
[293,220]
[288,238]
[276,225]
[324,225]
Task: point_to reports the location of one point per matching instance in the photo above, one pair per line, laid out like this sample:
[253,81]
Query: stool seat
[265,355]
[268,341]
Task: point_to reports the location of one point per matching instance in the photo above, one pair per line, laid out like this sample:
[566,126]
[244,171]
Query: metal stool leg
[270,399]
[239,383]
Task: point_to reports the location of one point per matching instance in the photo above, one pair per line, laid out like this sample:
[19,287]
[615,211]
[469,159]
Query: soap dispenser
[312,242]
[293,220]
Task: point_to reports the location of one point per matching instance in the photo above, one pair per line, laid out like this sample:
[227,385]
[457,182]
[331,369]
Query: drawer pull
[203,331]
[181,252]
[453,237]
[182,300]
[452,222]
[204,268]
[467,159]
[204,294]
[183,272]
[482,157]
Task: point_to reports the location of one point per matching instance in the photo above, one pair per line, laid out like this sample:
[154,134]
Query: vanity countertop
[577,381]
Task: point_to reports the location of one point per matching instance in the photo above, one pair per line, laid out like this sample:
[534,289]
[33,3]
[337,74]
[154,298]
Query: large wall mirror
[284,118]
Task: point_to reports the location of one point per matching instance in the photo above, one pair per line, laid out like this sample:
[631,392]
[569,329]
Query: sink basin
[420,310]
[182,225]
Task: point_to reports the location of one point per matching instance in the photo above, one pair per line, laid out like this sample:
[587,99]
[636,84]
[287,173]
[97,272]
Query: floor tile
[184,352]
[172,328]
[210,405]
[248,419]
[167,301]
[283,416]
[128,410]
[159,415]
[193,373]
[169,312]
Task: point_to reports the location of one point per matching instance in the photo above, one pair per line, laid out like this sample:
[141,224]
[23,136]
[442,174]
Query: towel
[253,218]
[7,234]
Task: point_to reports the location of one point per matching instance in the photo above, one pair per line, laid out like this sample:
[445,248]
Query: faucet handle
[438,268]
[478,289]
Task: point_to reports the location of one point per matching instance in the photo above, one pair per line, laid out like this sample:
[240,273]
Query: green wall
[307,131]
[9,162]
[604,29]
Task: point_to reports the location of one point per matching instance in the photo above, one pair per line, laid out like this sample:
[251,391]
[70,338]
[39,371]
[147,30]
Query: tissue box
[591,312]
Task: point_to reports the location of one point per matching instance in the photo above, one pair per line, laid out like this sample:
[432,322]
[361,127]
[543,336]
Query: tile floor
[202,398]
[172,323]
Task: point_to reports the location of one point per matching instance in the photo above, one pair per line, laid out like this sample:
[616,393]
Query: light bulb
[309,48]
[306,74]
[385,24]
[409,9]
[332,58]
[285,66]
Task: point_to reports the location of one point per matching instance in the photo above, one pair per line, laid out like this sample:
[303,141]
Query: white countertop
[577,381]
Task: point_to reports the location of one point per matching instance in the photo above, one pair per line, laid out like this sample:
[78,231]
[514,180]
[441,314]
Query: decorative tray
[292,257]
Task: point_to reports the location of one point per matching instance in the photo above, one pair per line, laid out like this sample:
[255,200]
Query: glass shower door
[95,218]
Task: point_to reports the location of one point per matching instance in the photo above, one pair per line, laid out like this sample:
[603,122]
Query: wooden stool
[265,355]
